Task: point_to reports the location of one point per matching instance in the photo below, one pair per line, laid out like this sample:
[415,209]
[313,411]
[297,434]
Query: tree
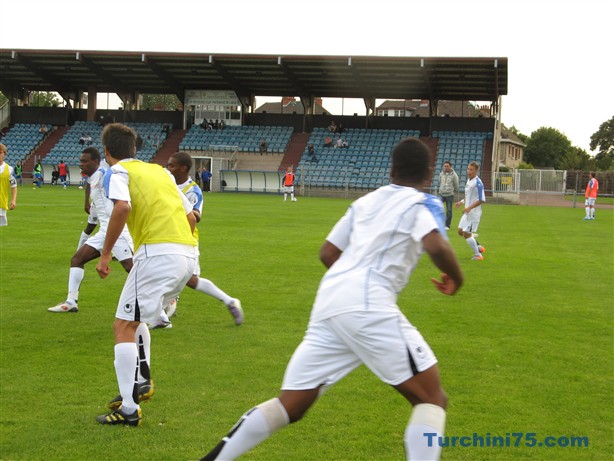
[576,159]
[160,102]
[603,141]
[547,147]
[523,137]
[44,99]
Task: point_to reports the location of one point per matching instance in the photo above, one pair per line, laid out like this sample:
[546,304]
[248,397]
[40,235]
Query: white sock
[126,364]
[143,341]
[292,196]
[425,419]
[256,425]
[592,212]
[209,288]
[75,277]
[588,211]
[82,239]
[471,241]
[285,196]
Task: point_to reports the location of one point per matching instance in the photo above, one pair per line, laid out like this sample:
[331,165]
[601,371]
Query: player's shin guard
[256,425]
[422,435]
[143,341]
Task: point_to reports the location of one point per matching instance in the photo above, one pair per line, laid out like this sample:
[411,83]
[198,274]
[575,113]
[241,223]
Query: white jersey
[98,198]
[474,191]
[194,194]
[381,239]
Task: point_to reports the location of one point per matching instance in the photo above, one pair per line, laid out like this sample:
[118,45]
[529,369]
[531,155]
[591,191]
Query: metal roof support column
[91,103]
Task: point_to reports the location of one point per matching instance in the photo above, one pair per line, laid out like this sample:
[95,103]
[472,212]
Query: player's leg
[150,282]
[425,393]
[76,274]
[448,202]
[468,232]
[207,287]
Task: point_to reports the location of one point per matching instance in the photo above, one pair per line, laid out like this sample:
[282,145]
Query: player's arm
[191,220]
[86,206]
[13,202]
[329,253]
[444,258]
[197,215]
[117,221]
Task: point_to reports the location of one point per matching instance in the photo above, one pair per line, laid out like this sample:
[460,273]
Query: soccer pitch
[526,346]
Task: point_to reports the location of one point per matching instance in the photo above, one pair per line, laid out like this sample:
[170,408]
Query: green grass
[525,346]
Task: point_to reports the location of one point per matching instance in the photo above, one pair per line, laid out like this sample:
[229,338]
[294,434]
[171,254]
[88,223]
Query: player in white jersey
[180,164]
[472,213]
[101,207]
[370,255]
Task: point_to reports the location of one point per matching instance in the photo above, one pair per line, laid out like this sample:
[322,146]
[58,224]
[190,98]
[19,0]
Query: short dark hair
[448,162]
[92,152]
[411,160]
[183,158]
[119,140]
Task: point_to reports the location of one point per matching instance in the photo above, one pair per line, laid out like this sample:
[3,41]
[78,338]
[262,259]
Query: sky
[560,65]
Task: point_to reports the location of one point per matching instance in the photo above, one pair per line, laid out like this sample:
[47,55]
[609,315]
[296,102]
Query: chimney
[287,100]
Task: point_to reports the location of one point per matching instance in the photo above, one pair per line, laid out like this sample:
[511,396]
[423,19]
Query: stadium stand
[245,138]
[459,148]
[21,140]
[363,164]
[69,149]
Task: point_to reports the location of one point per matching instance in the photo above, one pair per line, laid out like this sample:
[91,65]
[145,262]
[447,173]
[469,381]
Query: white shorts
[288,189]
[3,219]
[151,284]
[123,248]
[590,201]
[391,347]
[469,224]
[92,218]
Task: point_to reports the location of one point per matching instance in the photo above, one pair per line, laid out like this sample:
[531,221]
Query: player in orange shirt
[591,196]
[288,182]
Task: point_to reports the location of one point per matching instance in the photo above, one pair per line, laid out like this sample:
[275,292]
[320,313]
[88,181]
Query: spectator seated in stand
[341,144]
[312,153]
[263,146]
[85,140]
[328,141]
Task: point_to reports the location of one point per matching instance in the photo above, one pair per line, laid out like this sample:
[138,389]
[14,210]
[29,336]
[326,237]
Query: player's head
[447,166]
[289,169]
[89,161]
[411,162]
[2,152]
[472,170]
[180,164]
[119,141]
[592,173]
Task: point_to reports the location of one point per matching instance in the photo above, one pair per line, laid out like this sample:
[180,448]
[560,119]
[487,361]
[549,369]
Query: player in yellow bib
[161,222]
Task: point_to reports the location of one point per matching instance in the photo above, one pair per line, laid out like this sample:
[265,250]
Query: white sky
[560,61]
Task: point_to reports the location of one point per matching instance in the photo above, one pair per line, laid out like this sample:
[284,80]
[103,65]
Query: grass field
[525,347]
